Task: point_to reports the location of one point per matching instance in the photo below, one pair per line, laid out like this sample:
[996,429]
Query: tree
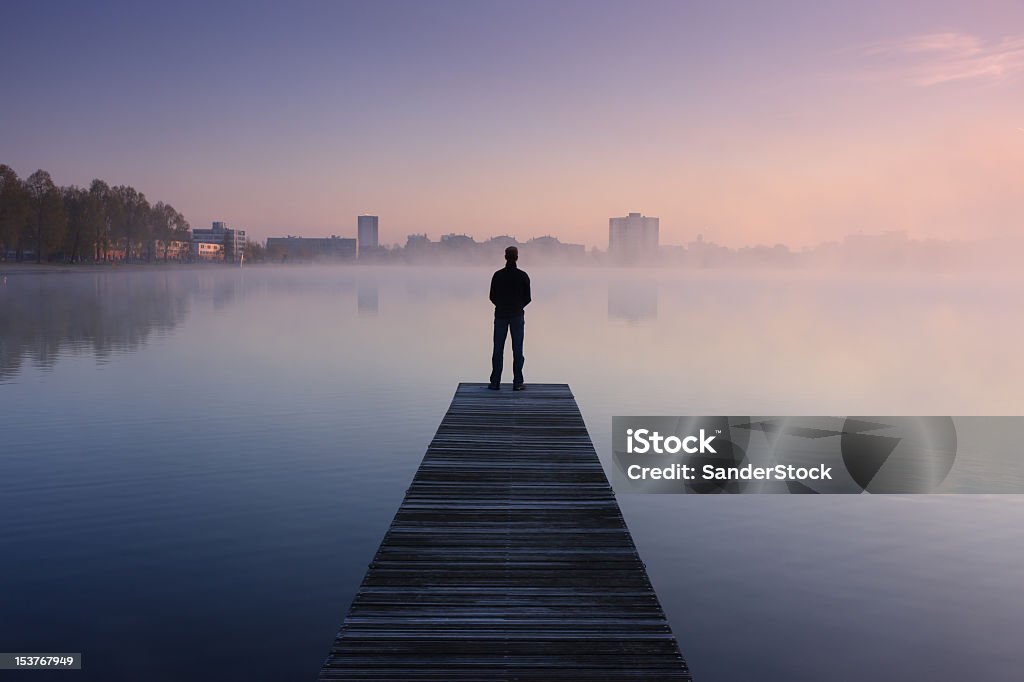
[47,221]
[159,230]
[180,230]
[83,223]
[255,251]
[102,221]
[13,210]
[167,225]
[80,207]
[133,211]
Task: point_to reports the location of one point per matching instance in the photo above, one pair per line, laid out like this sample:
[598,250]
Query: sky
[746,122]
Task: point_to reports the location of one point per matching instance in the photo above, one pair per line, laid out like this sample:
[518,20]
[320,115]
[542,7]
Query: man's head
[511,254]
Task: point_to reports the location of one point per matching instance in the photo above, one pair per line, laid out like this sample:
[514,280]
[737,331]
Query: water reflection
[249,433]
[367,299]
[633,301]
[45,317]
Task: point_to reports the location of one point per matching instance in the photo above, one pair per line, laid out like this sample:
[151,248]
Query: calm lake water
[196,466]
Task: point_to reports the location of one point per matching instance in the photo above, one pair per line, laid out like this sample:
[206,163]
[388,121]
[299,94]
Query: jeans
[502,326]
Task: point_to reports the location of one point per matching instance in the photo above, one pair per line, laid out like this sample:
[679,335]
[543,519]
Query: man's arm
[526,290]
[491,295]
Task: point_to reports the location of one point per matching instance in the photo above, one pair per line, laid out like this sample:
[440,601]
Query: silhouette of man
[510,293]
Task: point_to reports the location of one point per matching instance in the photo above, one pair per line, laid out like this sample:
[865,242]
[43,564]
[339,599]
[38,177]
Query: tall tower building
[633,239]
[367,234]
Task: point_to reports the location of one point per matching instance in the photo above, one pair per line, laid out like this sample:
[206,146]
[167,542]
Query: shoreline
[29,268]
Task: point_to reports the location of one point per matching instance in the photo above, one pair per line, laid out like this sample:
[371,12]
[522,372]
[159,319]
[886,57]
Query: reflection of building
[311,248]
[231,242]
[632,301]
[633,239]
[367,234]
[367,299]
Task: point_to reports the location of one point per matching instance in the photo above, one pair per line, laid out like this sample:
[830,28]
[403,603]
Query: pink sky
[798,123]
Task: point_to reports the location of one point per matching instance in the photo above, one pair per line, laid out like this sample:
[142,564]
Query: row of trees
[76,224]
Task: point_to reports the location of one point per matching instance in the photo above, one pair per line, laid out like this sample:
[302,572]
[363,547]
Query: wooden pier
[508,560]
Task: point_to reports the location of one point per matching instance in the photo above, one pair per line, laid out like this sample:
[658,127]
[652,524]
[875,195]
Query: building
[501,242]
[633,239]
[333,248]
[417,241]
[174,249]
[209,251]
[550,250]
[367,234]
[419,249]
[462,243]
[494,248]
[231,242]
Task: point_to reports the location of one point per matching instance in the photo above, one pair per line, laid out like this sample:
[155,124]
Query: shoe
[494,387]
[518,387]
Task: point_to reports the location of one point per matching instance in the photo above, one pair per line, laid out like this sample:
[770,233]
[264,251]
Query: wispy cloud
[937,58]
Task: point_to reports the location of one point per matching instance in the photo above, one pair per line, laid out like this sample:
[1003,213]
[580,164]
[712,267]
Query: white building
[633,239]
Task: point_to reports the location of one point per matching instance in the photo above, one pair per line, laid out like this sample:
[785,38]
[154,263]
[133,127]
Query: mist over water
[197,465]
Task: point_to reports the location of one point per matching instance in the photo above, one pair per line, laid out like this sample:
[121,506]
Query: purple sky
[745,121]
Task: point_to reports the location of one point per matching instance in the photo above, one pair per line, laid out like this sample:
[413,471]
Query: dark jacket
[510,291]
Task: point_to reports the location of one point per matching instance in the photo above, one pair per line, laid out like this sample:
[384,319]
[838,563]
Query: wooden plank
[509,559]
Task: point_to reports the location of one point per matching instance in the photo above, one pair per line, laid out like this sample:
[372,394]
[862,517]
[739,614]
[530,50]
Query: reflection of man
[510,293]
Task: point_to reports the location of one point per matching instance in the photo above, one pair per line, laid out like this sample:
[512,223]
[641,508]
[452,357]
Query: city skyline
[731,121]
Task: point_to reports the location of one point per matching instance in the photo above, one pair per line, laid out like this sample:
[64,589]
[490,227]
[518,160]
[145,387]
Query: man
[510,293]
